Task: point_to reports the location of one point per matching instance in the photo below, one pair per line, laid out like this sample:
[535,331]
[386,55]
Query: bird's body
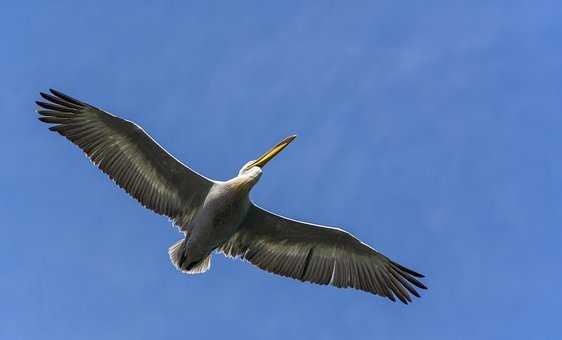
[217,215]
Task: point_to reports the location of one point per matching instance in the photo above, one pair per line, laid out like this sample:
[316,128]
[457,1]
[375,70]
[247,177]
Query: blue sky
[431,130]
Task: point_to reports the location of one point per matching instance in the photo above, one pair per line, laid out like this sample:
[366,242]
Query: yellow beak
[266,157]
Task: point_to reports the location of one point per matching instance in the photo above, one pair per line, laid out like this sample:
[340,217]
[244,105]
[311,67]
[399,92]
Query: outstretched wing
[318,254]
[129,156]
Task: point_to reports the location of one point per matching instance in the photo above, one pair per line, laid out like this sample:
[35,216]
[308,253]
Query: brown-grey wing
[318,254]
[128,155]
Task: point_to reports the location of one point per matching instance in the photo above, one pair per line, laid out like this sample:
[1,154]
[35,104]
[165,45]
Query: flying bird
[219,215]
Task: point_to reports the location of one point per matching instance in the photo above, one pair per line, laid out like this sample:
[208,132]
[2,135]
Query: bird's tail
[178,256]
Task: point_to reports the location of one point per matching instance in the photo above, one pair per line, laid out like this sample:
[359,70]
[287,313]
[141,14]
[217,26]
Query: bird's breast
[219,217]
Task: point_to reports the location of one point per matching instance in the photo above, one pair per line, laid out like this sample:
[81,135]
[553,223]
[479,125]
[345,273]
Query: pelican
[219,216]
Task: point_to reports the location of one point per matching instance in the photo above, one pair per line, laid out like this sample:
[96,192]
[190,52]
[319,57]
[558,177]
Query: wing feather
[128,155]
[319,254]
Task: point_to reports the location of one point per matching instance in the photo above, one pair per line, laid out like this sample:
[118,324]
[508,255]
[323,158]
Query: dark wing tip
[67,98]
[407,270]
[404,299]
[410,278]
[55,92]
[422,286]
[54,107]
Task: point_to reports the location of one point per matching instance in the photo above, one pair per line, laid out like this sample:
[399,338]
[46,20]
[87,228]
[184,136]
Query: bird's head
[254,167]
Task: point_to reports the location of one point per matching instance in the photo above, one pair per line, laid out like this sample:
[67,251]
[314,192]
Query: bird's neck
[246,180]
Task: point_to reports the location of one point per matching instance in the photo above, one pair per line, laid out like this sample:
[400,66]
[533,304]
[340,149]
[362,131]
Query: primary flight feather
[216,215]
